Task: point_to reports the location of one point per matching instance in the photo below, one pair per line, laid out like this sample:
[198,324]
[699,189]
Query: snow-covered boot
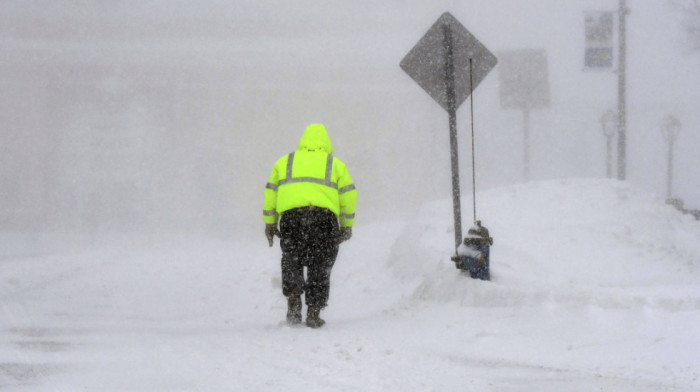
[294,310]
[312,318]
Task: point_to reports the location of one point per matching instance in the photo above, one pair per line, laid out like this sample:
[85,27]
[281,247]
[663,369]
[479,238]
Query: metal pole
[608,125]
[669,174]
[621,93]
[608,159]
[526,144]
[452,110]
[471,102]
[670,127]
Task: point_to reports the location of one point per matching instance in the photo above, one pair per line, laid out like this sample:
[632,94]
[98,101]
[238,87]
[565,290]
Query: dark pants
[309,239]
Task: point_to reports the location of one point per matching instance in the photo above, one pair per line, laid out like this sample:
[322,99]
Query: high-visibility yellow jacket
[310,176]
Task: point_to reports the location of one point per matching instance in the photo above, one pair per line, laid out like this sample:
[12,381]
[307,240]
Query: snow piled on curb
[597,241]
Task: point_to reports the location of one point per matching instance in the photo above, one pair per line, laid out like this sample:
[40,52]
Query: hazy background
[160,116]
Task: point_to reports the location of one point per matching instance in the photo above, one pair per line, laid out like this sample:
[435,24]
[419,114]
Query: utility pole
[621,95]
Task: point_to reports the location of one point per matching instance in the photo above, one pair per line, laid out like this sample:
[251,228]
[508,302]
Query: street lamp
[670,127]
[608,122]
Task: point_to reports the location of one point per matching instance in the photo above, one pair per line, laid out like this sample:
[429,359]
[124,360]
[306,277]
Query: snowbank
[567,238]
[594,286]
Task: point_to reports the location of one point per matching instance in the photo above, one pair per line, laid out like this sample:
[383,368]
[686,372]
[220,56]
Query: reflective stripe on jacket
[310,176]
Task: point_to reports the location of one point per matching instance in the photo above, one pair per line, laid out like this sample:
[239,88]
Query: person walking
[312,196]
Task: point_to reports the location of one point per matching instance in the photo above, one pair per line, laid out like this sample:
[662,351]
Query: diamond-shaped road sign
[426,62]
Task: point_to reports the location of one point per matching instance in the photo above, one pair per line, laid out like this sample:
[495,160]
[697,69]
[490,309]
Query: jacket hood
[316,138]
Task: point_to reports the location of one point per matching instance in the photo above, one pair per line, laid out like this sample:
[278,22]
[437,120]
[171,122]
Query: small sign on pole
[599,27]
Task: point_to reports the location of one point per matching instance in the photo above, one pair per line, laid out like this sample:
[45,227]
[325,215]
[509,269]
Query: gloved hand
[457,259]
[345,234]
[270,232]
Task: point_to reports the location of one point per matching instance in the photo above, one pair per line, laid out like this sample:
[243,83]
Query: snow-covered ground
[595,287]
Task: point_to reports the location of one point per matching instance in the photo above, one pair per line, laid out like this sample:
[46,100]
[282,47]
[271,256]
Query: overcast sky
[228,86]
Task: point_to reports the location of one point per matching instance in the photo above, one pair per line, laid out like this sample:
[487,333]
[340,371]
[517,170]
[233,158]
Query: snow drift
[594,287]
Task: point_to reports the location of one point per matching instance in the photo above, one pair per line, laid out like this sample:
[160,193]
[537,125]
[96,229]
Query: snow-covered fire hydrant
[473,255]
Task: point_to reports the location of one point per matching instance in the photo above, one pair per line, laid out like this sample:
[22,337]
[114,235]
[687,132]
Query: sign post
[448,62]
[599,53]
[452,113]
[525,86]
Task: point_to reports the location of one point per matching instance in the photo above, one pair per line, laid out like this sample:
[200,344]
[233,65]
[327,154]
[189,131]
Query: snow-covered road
[596,286]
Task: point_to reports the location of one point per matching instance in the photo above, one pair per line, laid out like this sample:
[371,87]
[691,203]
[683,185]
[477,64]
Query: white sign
[524,79]
[599,39]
